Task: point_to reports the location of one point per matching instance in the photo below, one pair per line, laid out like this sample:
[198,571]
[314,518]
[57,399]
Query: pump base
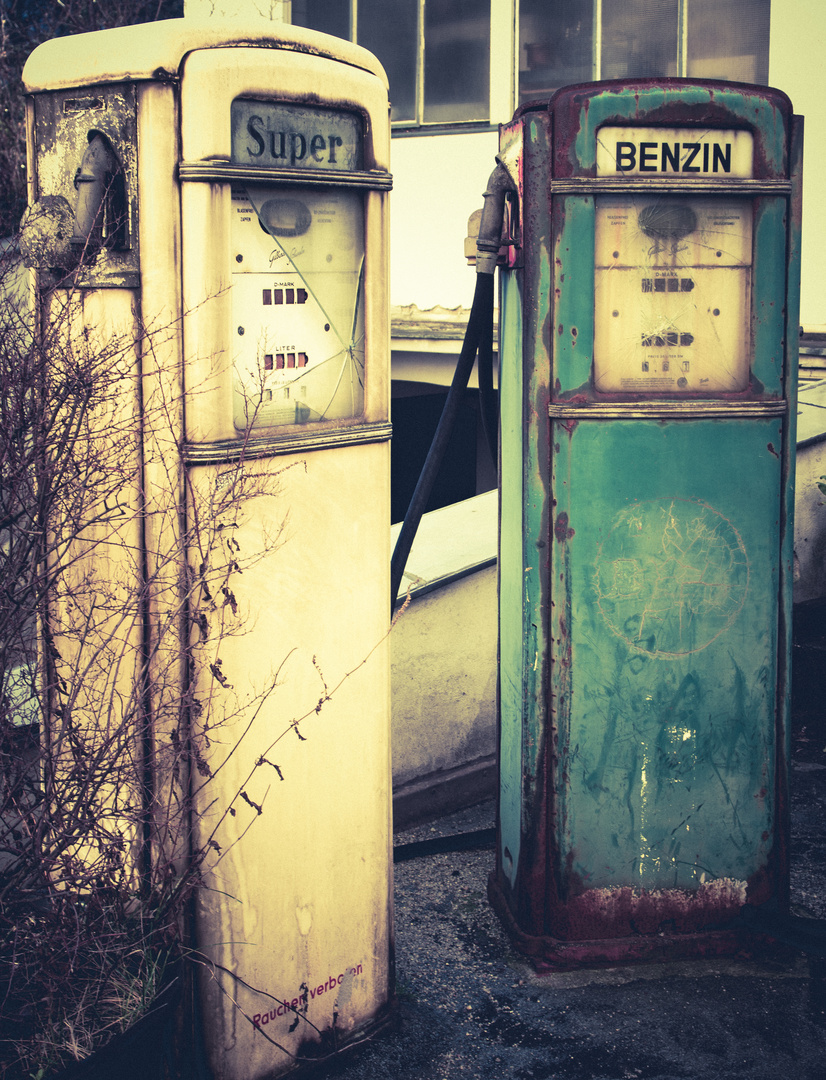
[548,954]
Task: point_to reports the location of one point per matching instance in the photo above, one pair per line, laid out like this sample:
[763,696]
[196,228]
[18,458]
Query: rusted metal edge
[586,185]
[227,450]
[548,954]
[210,171]
[672,410]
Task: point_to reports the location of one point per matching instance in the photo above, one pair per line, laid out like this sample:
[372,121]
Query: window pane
[329,16]
[639,39]
[388,29]
[555,45]
[729,39]
[456,60]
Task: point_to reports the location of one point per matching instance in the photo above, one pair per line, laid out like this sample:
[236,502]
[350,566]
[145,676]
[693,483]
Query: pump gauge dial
[297,305]
[672,294]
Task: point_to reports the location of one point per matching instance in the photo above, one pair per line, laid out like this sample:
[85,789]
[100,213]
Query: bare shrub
[115,596]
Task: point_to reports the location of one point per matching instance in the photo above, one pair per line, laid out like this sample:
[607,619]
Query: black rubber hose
[440,845]
[481,314]
[488,397]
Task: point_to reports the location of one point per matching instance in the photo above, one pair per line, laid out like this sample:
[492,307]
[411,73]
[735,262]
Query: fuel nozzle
[100,212]
[489,241]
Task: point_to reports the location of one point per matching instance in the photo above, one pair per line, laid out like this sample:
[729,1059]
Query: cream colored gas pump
[248,249]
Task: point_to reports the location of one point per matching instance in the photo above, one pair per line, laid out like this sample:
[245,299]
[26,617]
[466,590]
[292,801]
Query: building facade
[459,68]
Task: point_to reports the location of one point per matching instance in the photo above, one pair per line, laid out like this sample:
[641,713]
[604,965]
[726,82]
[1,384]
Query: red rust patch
[622,911]
[561,530]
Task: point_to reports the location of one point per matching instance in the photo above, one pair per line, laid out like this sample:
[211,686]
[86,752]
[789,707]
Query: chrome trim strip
[260,446]
[667,410]
[668,185]
[224,171]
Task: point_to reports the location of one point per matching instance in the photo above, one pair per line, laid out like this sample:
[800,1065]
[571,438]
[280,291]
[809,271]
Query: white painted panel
[437,184]
[655,151]
[298,906]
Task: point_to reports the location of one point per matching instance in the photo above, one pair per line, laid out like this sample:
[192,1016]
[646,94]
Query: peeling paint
[561,530]
[304,918]
[624,911]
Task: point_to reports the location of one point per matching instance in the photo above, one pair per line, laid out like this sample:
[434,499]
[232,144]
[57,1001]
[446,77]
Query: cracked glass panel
[672,294]
[297,305]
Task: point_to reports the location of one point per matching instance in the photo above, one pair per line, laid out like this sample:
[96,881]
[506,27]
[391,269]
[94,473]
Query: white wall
[798,47]
[444,697]
[438,182]
[809,525]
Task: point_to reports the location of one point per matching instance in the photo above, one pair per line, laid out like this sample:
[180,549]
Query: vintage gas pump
[648,365]
[219,191]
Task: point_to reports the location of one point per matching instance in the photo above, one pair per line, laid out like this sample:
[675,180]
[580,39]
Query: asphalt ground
[470,1006]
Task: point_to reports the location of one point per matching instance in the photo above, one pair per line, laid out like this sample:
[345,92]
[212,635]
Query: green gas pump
[648,363]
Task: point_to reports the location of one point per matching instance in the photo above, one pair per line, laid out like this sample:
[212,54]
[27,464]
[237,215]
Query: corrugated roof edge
[156,51]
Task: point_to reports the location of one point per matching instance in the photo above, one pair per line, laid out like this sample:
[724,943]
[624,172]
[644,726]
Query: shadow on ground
[470,1007]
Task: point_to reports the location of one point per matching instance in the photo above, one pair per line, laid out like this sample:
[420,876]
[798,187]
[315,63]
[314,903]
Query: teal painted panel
[524,515]
[667,573]
[538,331]
[791,374]
[769,294]
[511,612]
[573,329]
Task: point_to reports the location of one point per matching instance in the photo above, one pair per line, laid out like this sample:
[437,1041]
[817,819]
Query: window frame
[504,57]
[503,71]
[682,39]
[596,42]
